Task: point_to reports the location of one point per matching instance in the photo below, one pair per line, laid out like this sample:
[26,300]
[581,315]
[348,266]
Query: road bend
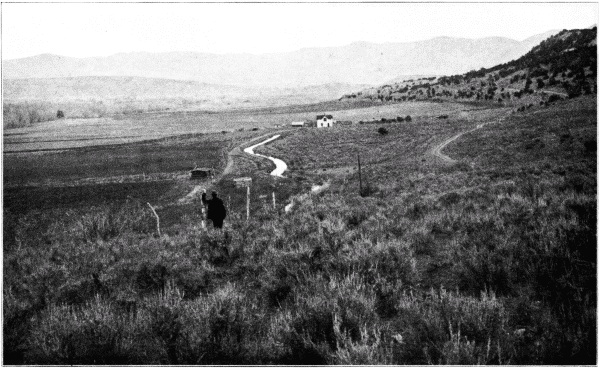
[437,150]
[280,165]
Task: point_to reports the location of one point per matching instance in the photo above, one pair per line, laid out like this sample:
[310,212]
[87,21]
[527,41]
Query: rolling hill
[356,63]
[142,88]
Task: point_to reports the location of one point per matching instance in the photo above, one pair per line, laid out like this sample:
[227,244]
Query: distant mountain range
[363,63]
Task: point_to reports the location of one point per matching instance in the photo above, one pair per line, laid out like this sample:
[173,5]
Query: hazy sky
[97,29]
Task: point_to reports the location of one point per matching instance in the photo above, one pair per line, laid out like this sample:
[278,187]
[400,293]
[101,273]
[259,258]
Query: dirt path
[237,150]
[437,150]
[280,165]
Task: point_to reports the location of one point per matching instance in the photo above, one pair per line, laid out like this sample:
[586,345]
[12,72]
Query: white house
[297,124]
[325,121]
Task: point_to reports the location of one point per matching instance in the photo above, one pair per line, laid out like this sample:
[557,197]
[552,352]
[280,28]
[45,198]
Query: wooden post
[274,200]
[247,202]
[359,177]
[157,219]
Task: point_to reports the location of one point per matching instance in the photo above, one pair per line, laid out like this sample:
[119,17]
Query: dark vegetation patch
[169,155]
[24,199]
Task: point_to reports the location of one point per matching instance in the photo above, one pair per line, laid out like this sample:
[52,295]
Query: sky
[102,29]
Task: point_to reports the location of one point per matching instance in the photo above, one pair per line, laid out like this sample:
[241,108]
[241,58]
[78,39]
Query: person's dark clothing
[216,210]
[218,223]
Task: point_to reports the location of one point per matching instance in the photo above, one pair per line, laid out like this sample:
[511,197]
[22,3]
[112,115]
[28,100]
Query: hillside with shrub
[564,65]
[486,255]
[491,260]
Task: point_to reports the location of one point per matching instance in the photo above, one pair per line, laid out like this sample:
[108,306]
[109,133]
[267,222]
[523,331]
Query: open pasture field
[155,171]
[357,111]
[402,151]
[39,177]
[73,133]
[70,133]
[174,155]
[489,260]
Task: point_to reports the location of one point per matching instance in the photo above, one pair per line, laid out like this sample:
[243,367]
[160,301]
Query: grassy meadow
[490,260]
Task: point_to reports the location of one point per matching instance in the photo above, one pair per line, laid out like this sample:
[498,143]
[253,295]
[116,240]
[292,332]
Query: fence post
[274,207]
[247,203]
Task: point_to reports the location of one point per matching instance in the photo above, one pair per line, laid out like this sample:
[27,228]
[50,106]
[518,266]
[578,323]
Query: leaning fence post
[157,219]
[247,203]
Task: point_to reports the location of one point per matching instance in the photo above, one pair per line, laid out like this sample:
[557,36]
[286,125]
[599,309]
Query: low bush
[327,315]
[446,328]
[93,334]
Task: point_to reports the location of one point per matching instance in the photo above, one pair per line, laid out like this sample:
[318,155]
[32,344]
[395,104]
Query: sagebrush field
[488,260]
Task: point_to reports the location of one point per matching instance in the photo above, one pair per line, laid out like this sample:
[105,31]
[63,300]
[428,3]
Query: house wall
[322,123]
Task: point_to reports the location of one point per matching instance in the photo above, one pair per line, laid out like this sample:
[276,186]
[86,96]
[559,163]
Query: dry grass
[491,264]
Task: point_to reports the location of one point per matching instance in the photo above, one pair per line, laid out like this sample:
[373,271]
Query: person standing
[216,210]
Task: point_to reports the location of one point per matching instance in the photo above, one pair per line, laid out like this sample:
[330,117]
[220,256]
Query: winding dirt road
[280,165]
[237,150]
[437,150]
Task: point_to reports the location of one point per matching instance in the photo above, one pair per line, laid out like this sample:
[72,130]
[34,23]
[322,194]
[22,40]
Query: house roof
[329,116]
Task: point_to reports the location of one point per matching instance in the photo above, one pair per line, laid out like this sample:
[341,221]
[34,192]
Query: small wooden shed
[202,173]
